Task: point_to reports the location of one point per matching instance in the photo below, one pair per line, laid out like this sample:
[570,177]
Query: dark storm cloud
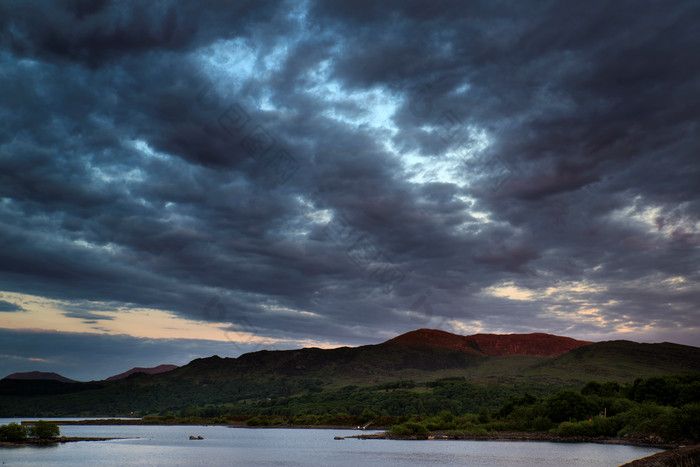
[86,312]
[538,145]
[96,32]
[6,307]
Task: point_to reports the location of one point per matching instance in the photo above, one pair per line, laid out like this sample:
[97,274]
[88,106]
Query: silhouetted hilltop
[39,375]
[149,371]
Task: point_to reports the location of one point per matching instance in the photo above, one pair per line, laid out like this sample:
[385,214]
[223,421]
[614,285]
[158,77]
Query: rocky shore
[685,456]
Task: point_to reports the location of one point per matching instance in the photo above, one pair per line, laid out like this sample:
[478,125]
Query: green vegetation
[414,389]
[284,396]
[665,408]
[409,428]
[15,432]
[44,430]
[385,378]
[12,432]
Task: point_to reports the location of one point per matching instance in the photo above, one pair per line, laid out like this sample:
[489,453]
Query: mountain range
[540,363]
[42,375]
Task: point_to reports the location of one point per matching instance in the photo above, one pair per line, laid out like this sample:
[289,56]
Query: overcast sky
[182,179]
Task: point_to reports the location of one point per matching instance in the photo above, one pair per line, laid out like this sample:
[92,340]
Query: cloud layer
[346,171]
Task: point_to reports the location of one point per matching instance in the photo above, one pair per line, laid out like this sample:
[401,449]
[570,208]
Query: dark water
[170,445]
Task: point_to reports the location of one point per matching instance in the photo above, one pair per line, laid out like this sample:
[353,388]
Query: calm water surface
[170,445]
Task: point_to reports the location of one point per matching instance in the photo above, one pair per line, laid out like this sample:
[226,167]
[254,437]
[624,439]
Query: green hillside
[621,361]
[394,376]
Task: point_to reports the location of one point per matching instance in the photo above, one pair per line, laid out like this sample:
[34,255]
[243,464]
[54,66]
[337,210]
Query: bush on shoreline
[13,432]
[44,430]
[607,410]
[409,429]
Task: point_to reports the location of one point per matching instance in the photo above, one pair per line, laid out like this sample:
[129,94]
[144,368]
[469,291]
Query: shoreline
[679,457]
[671,454]
[116,422]
[51,441]
[526,436]
[647,441]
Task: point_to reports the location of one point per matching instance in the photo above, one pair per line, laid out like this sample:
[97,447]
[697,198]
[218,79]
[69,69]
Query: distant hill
[494,365]
[149,371]
[537,344]
[39,375]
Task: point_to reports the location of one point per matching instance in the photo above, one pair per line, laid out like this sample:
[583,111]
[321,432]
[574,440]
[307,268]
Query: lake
[170,445]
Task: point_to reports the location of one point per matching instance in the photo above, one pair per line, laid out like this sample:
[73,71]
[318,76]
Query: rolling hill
[623,361]
[492,366]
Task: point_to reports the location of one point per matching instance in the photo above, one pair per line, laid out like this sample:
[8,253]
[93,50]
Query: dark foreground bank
[686,456]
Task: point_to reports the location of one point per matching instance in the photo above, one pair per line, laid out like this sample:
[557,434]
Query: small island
[39,433]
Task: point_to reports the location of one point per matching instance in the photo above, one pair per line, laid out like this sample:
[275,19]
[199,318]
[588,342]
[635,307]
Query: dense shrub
[657,389]
[616,405]
[367,415]
[541,423]
[575,429]
[675,390]
[470,428]
[569,405]
[607,426]
[592,387]
[669,423]
[409,428]
[689,421]
[44,430]
[12,432]
[636,419]
[257,421]
[446,416]
[521,419]
[484,415]
[515,401]
[497,426]
[597,426]
[689,394]
[607,389]
[680,424]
